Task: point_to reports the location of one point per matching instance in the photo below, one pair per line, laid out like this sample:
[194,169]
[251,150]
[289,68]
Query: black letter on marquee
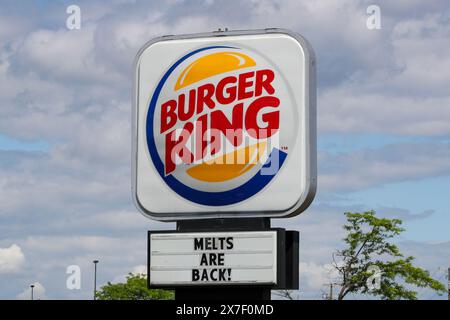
[220,259]
[204,260]
[195,275]
[198,243]
[230,243]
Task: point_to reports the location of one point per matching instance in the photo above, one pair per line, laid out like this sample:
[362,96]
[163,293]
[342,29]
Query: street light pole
[331,291]
[32,293]
[448,285]
[95,278]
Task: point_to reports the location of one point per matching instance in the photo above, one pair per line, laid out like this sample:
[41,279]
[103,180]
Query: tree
[368,249]
[135,288]
[285,294]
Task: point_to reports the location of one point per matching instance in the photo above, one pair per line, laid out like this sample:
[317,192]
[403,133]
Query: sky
[65,121]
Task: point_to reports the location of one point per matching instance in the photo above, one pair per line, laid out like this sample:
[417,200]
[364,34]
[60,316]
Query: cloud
[58,185]
[315,276]
[63,54]
[11,259]
[38,292]
[136,270]
[412,40]
[403,214]
[405,95]
[350,110]
[140,269]
[118,255]
[375,167]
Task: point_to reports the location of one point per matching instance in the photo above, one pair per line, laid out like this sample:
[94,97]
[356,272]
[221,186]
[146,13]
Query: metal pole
[32,293]
[331,291]
[448,284]
[95,279]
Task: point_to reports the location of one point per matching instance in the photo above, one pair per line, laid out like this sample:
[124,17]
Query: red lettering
[205,94]
[260,117]
[220,122]
[264,79]
[200,133]
[168,116]
[244,83]
[271,118]
[177,146]
[182,114]
[231,91]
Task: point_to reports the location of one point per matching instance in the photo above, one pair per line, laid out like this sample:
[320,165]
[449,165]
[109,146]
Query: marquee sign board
[213,258]
[224,126]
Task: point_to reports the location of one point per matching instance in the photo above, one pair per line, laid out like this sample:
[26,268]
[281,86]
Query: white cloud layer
[374,167]
[11,259]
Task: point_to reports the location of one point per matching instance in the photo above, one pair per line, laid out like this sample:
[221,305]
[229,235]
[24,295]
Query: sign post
[224,138]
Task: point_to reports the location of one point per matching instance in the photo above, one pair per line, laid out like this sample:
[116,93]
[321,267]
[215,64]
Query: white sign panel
[224,125]
[217,258]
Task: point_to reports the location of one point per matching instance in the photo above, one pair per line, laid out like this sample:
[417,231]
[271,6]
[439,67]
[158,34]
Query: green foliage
[367,245]
[134,289]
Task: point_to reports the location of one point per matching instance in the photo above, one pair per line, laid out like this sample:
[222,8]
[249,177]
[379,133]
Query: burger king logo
[216,125]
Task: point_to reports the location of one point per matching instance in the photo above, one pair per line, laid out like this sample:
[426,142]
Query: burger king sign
[224,125]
